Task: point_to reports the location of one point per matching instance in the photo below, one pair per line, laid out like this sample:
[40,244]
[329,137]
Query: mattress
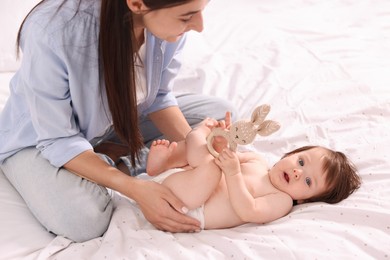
[324,67]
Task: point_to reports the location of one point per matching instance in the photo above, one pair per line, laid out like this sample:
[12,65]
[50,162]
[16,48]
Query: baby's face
[300,175]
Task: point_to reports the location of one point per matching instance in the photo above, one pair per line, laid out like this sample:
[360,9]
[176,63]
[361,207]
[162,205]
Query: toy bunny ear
[260,113]
[268,127]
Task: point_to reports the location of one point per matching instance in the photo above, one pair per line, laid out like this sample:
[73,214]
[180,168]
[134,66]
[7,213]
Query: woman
[95,71]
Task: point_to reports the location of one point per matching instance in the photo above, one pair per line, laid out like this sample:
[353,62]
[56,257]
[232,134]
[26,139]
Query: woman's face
[171,23]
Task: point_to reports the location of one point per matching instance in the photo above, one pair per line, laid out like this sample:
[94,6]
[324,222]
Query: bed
[323,66]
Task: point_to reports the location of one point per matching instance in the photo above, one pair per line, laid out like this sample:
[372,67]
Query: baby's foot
[159,154]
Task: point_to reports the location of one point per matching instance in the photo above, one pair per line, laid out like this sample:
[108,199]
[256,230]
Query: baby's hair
[341,176]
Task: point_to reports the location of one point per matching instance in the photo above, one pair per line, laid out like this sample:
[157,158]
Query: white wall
[12,13]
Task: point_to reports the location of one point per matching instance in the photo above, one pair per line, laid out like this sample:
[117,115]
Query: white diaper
[197,213]
[162,176]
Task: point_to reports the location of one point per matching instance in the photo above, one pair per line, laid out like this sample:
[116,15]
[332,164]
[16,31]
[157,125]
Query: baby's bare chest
[257,180]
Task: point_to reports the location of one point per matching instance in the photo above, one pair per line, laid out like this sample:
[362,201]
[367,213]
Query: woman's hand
[158,204]
[229,162]
[162,208]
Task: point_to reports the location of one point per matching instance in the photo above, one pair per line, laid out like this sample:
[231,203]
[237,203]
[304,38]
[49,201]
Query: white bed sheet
[324,66]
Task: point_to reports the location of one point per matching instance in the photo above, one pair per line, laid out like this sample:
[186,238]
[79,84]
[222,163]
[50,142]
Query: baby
[238,187]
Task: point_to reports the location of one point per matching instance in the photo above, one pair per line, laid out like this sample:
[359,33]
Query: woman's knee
[64,203]
[90,222]
[197,107]
[87,214]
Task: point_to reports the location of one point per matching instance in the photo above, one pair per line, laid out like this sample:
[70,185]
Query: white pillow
[12,13]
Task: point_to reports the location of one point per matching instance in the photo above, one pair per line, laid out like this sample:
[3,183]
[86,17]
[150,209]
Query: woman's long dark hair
[117,49]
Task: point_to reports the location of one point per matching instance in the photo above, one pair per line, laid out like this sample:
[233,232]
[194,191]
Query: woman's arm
[155,200]
[177,128]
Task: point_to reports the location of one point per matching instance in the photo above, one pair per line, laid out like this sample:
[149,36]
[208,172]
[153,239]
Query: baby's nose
[297,173]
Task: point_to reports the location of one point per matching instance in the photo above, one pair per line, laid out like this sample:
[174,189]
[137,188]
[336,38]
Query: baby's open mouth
[286,177]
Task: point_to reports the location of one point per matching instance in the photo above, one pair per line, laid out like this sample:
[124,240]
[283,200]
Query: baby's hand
[220,142]
[212,123]
[225,124]
[209,122]
[228,162]
[206,125]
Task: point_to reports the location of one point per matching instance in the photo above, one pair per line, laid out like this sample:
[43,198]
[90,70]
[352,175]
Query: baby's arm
[250,209]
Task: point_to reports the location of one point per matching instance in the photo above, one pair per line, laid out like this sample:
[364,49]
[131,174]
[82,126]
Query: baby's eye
[301,162]
[308,181]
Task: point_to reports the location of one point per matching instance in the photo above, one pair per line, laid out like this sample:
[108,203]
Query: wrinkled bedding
[324,67]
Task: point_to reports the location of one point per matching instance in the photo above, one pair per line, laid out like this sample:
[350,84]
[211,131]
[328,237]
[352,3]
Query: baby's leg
[193,151]
[164,155]
[196,146]
[195,186]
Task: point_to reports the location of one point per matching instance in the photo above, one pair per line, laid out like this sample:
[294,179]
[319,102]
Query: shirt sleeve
[46,88]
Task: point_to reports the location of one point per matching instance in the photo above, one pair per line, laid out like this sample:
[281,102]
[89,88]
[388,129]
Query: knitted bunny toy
[244,131]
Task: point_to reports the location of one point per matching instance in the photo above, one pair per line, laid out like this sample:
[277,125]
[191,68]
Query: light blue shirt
[57,100]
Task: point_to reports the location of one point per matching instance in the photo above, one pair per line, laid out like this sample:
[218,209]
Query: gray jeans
[70,206]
